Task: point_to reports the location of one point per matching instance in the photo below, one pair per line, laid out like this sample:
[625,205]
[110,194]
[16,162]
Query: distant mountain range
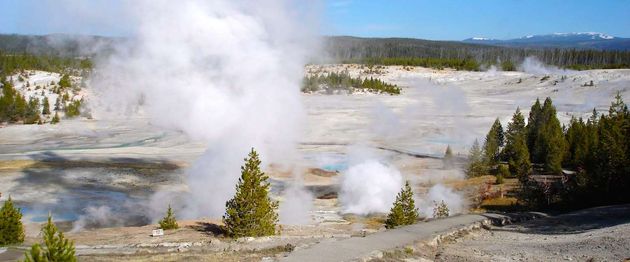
[586,40]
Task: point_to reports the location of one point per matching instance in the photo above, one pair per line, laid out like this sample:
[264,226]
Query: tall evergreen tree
[11,228]
[57,104]
[32,111]
[515,151]
[7,101]
[553,143]
[55,247]
[251,212]
[533,132]
[500,134]
[518,160]
[494,142]
[578,143]
[404,211]
[515,128]
[609,169]
[46,106]
[476,163]
[20,108]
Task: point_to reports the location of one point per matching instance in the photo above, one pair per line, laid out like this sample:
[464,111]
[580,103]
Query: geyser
[225,72]
[438,193]
[369,187]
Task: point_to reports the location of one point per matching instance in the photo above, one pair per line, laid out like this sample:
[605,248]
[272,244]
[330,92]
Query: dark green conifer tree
[494,142]
[32,111]
[55,247]
[533,132]
[553,143]
[11,228]
[518,160]
[169,221]
[476,164]
[609,169]
[20,107]
[404,211]
[65,82]
[46,106]
[515,128]
[251,212]
[578,144]
[57,104]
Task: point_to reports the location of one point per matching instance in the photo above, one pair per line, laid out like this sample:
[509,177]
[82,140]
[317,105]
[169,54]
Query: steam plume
[369,187]
[225,72]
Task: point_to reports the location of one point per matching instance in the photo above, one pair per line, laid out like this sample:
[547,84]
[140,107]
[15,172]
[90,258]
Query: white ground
[435,109]
[40,84]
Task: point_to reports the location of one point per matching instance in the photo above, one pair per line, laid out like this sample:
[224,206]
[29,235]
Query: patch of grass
[500,201]
[471,182]
[371,222]
[396,255]
[506,204]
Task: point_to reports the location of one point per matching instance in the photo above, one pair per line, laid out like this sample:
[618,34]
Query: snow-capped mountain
[582,40]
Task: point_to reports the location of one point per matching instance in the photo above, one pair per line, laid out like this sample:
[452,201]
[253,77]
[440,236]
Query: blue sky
[460,19]
[437,19]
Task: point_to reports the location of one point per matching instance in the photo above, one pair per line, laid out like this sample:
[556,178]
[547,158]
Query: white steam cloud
[534,66]
[369,187]
[123,213]
[437,194]
[297,204]
[225,72]
[96,216]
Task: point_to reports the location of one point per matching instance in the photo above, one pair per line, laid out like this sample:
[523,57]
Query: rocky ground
[594,234]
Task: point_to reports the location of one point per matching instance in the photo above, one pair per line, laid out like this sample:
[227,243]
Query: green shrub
[440,210]
[73,109]
[503,172]
[55,119]
[11,228]
[499,179]
[169,221]
[65,82]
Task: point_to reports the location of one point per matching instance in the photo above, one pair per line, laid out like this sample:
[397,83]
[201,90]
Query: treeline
[438,63]
[583,163]
[343,81]
[11,63]
[58,44]
[354,49]
[14,107]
